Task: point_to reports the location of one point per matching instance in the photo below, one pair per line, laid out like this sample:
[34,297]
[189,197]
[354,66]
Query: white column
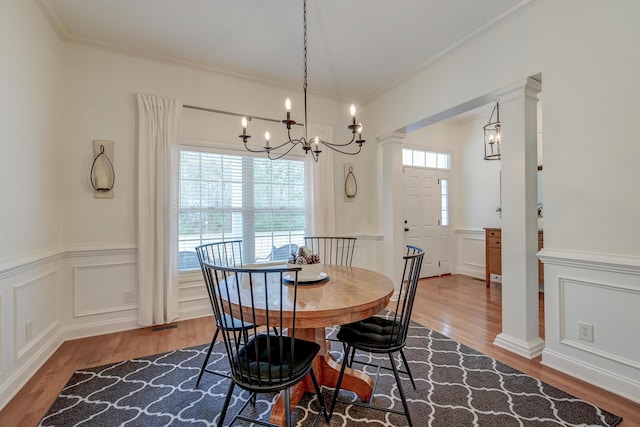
[391,205]
[518,111]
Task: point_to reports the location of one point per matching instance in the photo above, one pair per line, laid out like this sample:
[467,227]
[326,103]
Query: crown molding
[67,36]
[504,17]
[54,18]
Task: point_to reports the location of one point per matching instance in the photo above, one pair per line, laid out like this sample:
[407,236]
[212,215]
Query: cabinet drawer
[493,233]
[494,242]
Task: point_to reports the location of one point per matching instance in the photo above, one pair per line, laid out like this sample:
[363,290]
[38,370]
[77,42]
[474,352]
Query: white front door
[426,194]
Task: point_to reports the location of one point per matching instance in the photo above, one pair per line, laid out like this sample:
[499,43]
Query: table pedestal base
[327,371]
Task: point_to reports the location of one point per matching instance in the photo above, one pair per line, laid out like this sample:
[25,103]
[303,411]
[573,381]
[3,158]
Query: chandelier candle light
[308,145]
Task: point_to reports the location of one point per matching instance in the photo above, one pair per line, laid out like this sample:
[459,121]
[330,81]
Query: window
[444,202]
[226,197]
[425,159]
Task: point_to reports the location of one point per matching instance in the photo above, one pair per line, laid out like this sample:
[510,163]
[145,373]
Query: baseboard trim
[85,330]
[20,377]
[527,349]
[591,374]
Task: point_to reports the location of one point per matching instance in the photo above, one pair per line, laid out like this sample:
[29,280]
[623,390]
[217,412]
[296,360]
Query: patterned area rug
[456,386]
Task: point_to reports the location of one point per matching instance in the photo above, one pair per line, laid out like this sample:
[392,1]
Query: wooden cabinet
[493,254]
[540,267]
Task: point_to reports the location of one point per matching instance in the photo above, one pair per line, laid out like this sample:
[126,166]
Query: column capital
[391,138]
[528,88]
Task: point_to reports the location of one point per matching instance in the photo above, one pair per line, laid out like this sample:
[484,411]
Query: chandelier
[492,135]
[314,144]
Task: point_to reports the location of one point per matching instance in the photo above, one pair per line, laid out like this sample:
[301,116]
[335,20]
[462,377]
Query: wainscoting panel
[35,311]
[100,290]
[597,307]
[1,334]
[104,288]
[30,317]
[592,318]
[470,253]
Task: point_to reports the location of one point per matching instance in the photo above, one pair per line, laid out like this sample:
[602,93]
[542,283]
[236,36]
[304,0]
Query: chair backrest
[256,296]
[402,313]
[283,252]
[332,250]
[224,254]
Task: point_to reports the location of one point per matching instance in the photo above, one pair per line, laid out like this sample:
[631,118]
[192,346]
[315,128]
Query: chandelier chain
[304,17]
[308,145]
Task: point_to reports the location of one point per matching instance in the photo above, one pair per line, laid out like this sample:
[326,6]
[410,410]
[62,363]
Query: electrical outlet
[28,330]
[585,331]
[127,297]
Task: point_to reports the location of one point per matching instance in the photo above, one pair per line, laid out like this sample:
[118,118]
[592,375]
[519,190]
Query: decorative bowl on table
[310,264]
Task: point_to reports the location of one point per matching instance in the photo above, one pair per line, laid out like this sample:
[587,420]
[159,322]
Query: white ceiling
[356,48]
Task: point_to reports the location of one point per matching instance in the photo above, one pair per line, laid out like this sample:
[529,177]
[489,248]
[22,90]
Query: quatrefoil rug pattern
[456,386]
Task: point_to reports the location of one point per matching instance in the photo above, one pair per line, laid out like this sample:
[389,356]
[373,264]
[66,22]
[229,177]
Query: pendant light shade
[492,135]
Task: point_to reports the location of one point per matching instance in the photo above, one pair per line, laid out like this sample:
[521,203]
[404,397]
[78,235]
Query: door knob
[406,229]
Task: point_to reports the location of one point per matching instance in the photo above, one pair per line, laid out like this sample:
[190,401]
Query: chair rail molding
[593,261]
[25,263]
[102,250]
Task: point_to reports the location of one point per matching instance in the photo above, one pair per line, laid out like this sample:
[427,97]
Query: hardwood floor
[457,306]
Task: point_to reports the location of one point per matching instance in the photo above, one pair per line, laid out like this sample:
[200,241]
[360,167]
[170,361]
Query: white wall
[477,195]
[29,119]
[589,80]
[100,233]
[68,258]
[30,246]
[60,241]
[474,185]
[99,104]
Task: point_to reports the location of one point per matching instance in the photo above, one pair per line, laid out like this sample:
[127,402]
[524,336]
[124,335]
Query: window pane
[418,158]
[431,160]
[225,197]
[444,203]
[443,161]
[407,157]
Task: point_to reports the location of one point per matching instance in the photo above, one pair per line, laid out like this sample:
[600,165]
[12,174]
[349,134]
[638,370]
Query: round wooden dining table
[347,295]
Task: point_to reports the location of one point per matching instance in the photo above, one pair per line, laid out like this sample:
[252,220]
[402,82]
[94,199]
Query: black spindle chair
[264,362]
[332,250]
[227,254]
[384,335]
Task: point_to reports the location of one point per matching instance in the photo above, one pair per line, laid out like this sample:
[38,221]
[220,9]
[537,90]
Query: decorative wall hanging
[350,183]
[102,175]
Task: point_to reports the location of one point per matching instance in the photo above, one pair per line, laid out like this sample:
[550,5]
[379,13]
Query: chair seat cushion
[233,324]
[373,332]
[271,358]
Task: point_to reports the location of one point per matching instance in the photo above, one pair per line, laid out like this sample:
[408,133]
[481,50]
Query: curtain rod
[229,113]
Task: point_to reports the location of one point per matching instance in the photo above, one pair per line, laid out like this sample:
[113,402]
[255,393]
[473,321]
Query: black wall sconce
[102,174]
[350,183]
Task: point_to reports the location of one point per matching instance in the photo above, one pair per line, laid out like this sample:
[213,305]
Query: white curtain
[321,204]
[158,123]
